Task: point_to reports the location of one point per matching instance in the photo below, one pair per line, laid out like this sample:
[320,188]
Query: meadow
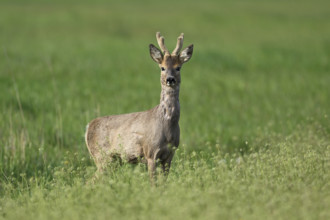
[255,128]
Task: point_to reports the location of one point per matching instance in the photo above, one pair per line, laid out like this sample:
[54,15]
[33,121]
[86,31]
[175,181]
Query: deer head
[170,64]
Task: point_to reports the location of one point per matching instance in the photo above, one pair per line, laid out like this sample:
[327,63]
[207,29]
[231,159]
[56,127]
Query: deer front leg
[152,168]
[166,164]
[166,167]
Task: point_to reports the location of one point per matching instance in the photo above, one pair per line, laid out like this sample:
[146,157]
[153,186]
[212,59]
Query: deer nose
[170,81]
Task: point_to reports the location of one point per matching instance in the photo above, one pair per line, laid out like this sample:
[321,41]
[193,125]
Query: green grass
[254,108]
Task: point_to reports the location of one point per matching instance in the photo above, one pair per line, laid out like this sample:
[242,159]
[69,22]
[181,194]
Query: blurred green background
[259,73]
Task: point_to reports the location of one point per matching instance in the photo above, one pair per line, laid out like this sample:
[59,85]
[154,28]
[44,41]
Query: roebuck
[148,136]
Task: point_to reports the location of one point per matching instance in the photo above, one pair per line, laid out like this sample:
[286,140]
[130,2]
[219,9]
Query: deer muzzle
[170,81]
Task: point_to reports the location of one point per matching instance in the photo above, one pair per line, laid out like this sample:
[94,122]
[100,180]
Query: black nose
[170,80]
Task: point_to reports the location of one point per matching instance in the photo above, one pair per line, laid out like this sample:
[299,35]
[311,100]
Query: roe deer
[146,136]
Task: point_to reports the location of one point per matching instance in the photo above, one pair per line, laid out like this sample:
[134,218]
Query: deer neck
[169,105]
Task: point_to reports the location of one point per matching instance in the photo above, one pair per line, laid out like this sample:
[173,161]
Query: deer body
[145,136]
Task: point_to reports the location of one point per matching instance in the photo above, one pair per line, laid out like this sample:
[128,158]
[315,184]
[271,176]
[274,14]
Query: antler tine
[160,40]
[178,45]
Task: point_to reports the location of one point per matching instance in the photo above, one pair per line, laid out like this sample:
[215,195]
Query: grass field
[255,101]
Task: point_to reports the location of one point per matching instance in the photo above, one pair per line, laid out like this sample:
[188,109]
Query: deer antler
[160,40]
[179,44]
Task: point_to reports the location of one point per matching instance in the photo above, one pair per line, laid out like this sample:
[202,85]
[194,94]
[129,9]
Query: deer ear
[186,54]
[155,54]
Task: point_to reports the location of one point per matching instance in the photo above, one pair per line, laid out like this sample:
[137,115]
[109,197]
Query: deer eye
[162,68]
[178,68]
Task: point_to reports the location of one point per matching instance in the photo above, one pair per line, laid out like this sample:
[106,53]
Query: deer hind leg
[99,171]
